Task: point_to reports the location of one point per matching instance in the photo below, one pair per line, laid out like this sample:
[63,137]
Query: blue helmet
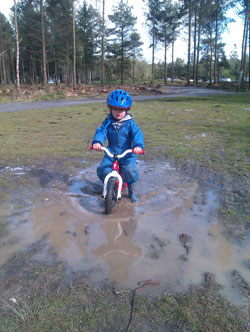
[119,99]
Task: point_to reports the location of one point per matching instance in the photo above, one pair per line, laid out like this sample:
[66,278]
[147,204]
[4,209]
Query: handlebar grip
[91,148]
[142,151]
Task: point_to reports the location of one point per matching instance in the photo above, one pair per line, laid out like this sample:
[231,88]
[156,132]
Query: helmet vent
[119,98]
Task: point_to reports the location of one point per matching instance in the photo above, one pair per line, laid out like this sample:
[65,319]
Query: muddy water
[173,235]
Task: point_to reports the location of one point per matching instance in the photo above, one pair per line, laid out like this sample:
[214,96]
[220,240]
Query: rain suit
[121,135]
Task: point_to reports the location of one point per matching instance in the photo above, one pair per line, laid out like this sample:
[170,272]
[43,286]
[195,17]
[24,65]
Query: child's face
[117,113]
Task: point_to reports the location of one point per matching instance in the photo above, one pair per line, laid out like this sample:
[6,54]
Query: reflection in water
[119,252]
[54,215]
[223,249]
[17,234]
[187,197]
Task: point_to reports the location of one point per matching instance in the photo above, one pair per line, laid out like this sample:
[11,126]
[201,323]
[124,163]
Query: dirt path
[170,93]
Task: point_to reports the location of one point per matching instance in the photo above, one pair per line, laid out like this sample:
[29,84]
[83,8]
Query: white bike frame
[114,173]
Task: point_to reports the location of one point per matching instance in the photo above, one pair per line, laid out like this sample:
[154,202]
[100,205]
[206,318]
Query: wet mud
[174,235]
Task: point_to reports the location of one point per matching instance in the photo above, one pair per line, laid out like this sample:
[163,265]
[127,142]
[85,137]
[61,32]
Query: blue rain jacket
[126,136]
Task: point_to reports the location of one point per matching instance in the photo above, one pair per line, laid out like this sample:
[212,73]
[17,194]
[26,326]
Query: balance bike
[113,182]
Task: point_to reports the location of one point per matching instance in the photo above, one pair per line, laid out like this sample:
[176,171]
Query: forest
[72,42]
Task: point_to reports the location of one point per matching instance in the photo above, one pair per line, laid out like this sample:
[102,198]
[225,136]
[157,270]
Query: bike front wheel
[111,195]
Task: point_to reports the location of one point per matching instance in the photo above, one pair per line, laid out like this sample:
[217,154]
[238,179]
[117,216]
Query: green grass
[213,131]
[83,309]
[41,134]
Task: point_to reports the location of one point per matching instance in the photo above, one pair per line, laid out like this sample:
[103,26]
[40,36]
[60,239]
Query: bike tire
[111,195]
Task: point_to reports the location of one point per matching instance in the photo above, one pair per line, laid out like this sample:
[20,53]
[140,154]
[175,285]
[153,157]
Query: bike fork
[114,174]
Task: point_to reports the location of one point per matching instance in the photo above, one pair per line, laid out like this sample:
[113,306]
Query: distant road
[170,93]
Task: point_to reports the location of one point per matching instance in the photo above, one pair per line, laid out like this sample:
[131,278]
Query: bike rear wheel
[111,195]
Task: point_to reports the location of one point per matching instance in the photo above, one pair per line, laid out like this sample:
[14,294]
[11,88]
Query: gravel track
[170,93]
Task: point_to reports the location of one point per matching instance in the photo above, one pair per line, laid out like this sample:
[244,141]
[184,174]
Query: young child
[122,133]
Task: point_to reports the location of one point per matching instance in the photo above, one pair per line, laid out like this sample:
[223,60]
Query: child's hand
[97,146]
[137,150]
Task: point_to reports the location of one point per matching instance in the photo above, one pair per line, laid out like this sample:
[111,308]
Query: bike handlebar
[119,156]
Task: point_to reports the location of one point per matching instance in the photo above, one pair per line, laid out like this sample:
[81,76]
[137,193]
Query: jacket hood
[117,124]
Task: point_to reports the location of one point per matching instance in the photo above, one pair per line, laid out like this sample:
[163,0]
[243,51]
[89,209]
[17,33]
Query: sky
[232,36]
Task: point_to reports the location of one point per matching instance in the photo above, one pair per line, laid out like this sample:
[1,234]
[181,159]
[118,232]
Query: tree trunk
[216,42]
[35,75]
[45,78]
[67,60]
[122,61]
[195,33]
[103,46]
[2,55]
[245,46]
[74,44]
[189,40]
[91,75]
[153,57]
[244,41]
[12,61]
[17,50]
[173,57]
[198,54]
[86,69]
[31,70]
[55,67]
[211,61]
[133,69]
[22,77]
[244,49]
[207,65]
[249,54]
[165,59]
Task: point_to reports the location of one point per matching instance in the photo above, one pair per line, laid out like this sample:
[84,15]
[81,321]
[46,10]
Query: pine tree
[135,50]
[59,13]
[45,78]
[168,30]
[6,50]
[153,18]
[119,42]
[103,44]
[74,42]
[89,40]
[17,49]
[32,49]
[244,13]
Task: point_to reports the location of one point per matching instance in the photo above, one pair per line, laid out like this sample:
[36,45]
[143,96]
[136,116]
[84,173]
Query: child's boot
[132,195]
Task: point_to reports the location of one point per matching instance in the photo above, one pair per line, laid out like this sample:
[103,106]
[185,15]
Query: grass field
[213,131]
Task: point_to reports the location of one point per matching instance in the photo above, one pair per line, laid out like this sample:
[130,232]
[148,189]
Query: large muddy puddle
[173,235]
